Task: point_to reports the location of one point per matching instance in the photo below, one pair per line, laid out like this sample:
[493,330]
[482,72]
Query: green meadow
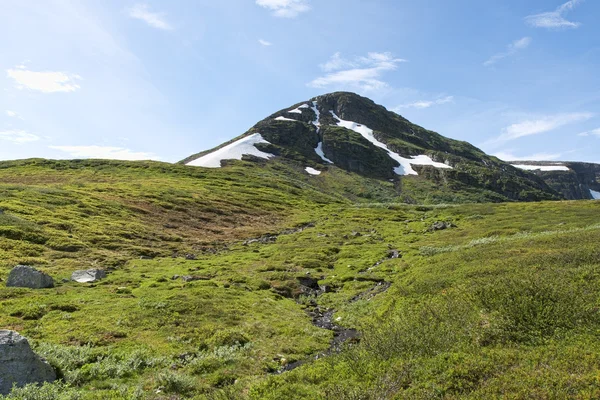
[503,303]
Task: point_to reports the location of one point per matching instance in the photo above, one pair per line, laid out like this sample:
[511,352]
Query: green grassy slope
[502,305]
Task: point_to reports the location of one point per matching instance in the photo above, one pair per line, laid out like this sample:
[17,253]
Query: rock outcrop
[25,276]
[88,276]
[19,365]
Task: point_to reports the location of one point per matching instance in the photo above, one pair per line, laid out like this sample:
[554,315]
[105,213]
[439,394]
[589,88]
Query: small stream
[323,318]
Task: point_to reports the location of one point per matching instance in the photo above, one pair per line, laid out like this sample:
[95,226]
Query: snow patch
[318,114]
[541,167]
[233,151]
[405,167]
[426,160]
[299,109]
[286,119]
[312,171]
[595,195]
[319,151]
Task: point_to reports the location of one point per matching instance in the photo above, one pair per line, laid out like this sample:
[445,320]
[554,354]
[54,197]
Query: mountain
[344,131]
[572,180]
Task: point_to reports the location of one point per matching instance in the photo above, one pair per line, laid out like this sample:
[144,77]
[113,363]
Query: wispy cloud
[285,8]
[18,136]
[554,19]
[45,82]
[105,152]
[421,104]
[13,114]
[512,49]
[361,72]
[537,126]
[153,19]
[508,155]
[265,42]
[593,132]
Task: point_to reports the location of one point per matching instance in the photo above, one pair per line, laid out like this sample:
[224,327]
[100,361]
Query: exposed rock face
[19,365]
[574,184]
[88,276]
[28,277]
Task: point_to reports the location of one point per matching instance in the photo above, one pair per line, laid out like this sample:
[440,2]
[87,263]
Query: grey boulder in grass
[88,276]
[25,276]
[19,365]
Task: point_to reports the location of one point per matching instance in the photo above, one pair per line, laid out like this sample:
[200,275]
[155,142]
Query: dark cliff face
[574,184]
[295,132]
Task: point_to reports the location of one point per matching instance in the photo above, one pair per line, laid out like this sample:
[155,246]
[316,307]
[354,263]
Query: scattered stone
[19,365]
[393,254]
[441,225]
[88,276]
[190,278]
[146,258]
[175,277]
[190,257]
[267,239]
[326,288]
[307,281]
[28,277]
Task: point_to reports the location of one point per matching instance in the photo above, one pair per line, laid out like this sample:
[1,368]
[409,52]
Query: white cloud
[509,156]
[13,114]
[537,126]
[542,125]
[554,19]
[421,104]
[18,136]
[105,152]
[46,82]
[285,8]
[153,19]
[265,42]
[593,132]
[512,49]
[361,72]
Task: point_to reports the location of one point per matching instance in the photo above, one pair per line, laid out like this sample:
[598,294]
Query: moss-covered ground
[502,304]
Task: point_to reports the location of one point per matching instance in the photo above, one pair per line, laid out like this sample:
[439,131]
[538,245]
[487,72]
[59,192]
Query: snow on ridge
[405,167]
[233,151]
[299,109]
[319,151]
[595,195]
[541,167]
[312,171]
[286,119]
[316,122]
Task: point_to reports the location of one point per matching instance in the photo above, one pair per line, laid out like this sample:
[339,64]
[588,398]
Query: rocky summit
[349,132]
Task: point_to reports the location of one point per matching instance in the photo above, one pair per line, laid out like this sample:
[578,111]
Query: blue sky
[165,79]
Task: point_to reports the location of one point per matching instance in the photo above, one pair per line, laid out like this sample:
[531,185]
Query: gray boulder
[19,365]
[88,276]
[28,277]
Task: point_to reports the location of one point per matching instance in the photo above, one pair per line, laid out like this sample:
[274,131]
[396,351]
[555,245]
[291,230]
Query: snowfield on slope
[312,171]
[595,195]
[286,119]
[233,151]
[541,167]
[299,109]
[405,167]
[319,151]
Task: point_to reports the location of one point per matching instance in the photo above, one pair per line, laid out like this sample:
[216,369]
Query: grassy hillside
[503,303]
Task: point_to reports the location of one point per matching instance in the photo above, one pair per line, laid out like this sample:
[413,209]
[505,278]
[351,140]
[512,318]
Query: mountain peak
[343,130]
